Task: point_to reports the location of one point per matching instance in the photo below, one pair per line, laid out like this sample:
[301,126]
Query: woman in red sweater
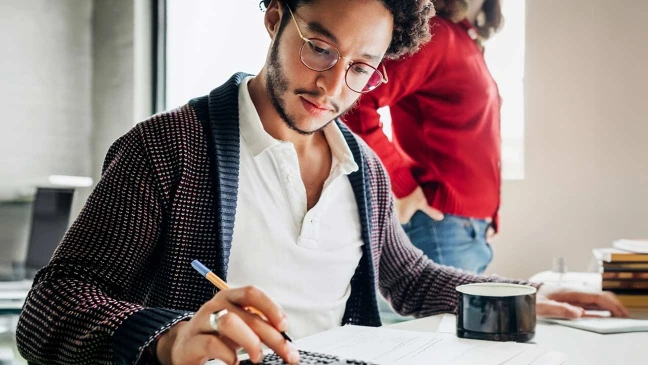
[444,161]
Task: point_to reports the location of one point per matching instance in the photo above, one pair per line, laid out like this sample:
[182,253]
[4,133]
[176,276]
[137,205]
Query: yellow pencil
[221,285]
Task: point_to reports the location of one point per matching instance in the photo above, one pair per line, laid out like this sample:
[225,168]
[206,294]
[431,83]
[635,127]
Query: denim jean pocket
[456,231]
[419,221]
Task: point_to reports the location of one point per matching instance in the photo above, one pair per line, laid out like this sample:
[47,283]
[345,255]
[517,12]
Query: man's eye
[319,50]
[360,69]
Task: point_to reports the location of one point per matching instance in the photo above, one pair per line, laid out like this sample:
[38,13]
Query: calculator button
[309,358]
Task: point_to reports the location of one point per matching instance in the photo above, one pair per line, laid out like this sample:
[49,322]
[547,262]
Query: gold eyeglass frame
[383,75]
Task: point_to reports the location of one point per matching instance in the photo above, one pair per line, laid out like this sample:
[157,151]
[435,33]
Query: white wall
[45,91]
[45,88]
[67,93]
[113,82]
[113,75]
[586,104]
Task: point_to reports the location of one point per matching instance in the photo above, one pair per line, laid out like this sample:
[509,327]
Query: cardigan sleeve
[82,307]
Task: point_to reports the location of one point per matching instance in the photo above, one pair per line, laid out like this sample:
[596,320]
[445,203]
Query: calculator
[309,358]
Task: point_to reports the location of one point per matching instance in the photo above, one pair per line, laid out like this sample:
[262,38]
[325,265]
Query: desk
[581,347]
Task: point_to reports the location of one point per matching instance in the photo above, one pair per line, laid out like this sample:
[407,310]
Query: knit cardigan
[167,195]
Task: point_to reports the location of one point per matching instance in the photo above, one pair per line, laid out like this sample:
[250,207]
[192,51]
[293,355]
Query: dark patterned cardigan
[167,196]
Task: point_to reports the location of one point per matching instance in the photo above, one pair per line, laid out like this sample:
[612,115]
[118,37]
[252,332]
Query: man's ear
[272,18]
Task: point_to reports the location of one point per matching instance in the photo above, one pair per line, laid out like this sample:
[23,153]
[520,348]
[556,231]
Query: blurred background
[77,74]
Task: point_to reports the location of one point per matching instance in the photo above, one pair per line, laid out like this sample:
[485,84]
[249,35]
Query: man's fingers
[601,301]
[609,301]
[553,309]
[233,328]
[213,348]
[587,299]
[251,296]
[239,323]
[269,336]
[248,296]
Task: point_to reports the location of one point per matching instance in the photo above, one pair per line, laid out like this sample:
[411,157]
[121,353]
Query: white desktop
[581,347]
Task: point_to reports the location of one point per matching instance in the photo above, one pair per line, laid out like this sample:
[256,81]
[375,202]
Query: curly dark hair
[411,23]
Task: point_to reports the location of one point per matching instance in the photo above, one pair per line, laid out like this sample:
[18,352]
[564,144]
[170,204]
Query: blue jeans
[454,241]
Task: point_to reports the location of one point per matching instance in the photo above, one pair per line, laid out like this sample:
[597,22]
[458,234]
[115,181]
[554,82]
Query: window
[505,58]
[208,41]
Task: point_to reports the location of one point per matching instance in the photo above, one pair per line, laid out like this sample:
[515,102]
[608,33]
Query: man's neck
[313,151]
[474,7]
[272,122]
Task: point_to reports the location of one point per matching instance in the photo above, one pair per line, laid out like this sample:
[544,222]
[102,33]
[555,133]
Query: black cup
[496,312]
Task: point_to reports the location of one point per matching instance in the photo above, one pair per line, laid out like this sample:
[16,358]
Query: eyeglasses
[319,55]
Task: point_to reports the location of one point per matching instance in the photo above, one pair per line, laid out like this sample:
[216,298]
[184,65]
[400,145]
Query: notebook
[604,325]
[617,255]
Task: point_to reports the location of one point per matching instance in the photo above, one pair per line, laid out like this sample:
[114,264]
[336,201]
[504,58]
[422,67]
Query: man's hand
[569,303]
[194,342]
[407,206]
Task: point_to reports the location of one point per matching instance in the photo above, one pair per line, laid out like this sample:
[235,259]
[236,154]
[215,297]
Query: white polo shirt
[303,260]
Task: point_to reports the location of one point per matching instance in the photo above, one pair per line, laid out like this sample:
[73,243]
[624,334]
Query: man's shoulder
[177,128]
[171,123]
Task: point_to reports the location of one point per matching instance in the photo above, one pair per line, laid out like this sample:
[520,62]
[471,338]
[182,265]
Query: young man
[260,183]
[444,161]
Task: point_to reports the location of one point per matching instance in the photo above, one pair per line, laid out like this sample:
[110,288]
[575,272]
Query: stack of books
[624,270]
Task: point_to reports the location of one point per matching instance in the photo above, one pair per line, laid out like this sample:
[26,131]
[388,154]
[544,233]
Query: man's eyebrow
[371,57]
[317,27]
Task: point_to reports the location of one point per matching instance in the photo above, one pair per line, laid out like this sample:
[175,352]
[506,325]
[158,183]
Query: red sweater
[445,108]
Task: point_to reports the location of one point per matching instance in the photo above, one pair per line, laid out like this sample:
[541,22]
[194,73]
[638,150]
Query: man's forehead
[364,27]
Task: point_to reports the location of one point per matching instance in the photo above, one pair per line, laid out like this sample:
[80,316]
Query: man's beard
[277,85]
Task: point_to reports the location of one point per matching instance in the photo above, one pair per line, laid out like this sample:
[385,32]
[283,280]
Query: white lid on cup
[496,289]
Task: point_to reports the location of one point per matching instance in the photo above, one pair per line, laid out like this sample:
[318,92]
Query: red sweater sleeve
[405,77]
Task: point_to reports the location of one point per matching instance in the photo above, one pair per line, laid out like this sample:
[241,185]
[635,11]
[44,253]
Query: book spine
[632,292]
[625,284]
[624,267]
[624,275]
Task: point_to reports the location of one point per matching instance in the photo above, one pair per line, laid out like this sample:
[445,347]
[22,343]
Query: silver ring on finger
[214,317]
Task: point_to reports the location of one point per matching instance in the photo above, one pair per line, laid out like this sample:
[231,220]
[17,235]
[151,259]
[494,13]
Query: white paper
[448,324]
[387,346]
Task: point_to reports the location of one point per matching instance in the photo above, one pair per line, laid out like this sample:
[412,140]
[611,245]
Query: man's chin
[307,129]
[304,131]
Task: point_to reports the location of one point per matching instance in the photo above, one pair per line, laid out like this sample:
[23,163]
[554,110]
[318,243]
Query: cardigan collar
[224,146]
